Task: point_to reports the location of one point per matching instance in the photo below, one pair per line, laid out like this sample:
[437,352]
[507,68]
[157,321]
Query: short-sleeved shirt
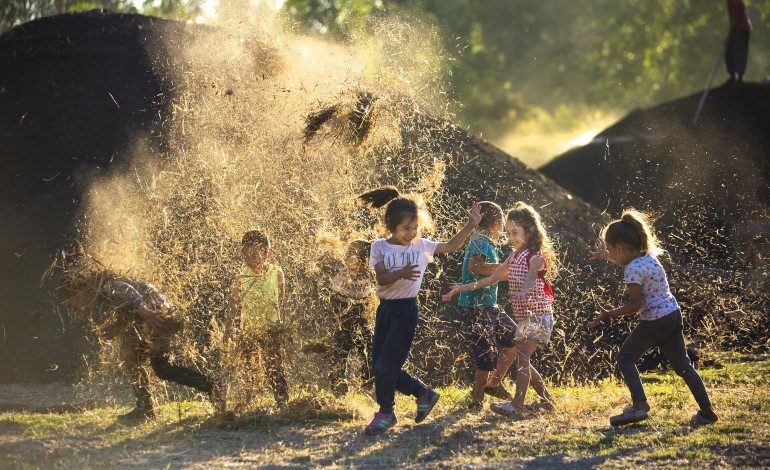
[419,252]
[657,299]
[478,245]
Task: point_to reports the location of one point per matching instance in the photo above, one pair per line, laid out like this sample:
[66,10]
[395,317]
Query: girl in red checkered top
[529,272]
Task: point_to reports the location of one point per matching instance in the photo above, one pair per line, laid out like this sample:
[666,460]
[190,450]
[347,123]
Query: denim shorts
[536,327]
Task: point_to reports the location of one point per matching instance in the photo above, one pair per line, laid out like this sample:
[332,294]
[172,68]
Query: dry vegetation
[320,430]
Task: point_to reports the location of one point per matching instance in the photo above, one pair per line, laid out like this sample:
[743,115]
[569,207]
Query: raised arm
[456,242]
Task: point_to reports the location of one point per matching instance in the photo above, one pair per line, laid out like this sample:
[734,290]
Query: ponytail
[400,207]
[633,229]
[377,198]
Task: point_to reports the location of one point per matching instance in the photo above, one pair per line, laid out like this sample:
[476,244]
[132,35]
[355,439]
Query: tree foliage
[517,57]
[16,12]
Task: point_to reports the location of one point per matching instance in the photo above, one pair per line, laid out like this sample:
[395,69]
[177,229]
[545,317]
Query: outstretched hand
[600,252]
[598,318]
[474,214]
[454,289]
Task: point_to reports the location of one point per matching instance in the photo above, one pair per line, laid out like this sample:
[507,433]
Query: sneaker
[380,423]
[506,408]
[425,403]
[137,414]
[700,418]
[628,416]
[475,406]
[498,391]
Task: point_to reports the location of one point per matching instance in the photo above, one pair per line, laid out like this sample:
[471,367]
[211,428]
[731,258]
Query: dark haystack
[75,92]
[709,182]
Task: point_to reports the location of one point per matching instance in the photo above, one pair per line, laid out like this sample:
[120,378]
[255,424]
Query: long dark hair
[400,207]
[526,217]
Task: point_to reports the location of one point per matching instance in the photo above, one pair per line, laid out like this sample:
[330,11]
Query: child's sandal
[506,408]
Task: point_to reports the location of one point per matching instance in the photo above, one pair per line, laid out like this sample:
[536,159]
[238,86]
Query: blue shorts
[486,328]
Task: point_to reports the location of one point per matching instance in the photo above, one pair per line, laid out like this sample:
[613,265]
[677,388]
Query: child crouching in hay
[134,313]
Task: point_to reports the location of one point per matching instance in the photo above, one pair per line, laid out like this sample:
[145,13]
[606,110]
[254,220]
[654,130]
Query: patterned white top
[419,252]
[539,300]
[657,299]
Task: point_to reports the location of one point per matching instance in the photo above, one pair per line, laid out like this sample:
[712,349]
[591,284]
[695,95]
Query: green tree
[516,58]
[173,9]
[336,18]
[16,12]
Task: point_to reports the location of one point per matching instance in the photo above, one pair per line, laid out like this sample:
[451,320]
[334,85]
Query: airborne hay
[272,131]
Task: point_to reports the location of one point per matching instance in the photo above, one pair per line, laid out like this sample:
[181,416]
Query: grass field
[325,431]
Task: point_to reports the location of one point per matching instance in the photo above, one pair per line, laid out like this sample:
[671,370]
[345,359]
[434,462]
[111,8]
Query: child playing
[140,317]
[484,323]
[351,289]
[528,271]
[399,263]
[257,295]
[630,242]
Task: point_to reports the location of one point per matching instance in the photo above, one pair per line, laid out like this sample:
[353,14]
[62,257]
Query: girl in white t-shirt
[399,263]
[631,243]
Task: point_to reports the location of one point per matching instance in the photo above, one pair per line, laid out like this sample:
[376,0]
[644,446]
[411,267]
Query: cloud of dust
[237,159]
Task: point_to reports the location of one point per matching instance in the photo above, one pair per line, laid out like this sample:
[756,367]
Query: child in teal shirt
[485,325]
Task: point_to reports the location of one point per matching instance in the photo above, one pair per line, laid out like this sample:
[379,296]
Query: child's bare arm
[500,274]
[410,272]
[635,293]
[600,252]
[478,265]
[456,242]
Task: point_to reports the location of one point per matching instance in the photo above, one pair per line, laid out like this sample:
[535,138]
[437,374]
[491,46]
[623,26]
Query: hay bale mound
[75,91]
[709,182]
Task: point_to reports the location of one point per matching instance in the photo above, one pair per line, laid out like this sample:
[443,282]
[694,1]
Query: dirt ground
[577,435]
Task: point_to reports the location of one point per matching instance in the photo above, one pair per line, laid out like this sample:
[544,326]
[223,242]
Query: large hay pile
[76,92]
[710,182]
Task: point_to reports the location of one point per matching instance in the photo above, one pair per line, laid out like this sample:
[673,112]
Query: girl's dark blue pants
[394,330]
